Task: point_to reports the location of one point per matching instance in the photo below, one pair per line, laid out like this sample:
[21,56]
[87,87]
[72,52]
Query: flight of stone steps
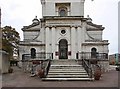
[66,70]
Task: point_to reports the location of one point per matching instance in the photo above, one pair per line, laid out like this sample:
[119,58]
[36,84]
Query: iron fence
[37,56]
[92,55]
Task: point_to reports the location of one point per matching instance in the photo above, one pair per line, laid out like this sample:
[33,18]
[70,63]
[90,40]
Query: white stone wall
[77,8]
[94,34]
[104,65]
[32,32]
[41,36]
[100,48]
[30,35]
[27,50]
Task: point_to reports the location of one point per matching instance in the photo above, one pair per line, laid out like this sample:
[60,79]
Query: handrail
[87,68]
[46,69]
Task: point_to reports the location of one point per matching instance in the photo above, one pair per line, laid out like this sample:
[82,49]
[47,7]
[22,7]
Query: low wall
[4,62]
[104,65]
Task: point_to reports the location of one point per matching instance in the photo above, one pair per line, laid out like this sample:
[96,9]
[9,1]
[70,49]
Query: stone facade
[63,31]
[4,62]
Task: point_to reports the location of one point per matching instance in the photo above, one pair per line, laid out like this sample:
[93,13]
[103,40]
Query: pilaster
[53,41]
[73,39]
[47,37]
[79,38]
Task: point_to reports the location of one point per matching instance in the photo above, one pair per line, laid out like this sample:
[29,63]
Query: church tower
[62,7]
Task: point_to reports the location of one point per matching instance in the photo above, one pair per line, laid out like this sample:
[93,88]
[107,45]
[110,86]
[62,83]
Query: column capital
[79,26]
[48,26]
[75,26]
[53,26]
[72,26]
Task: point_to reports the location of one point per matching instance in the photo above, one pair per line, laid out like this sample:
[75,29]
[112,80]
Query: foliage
[10,40]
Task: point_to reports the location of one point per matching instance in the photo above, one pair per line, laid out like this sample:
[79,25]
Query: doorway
[93,53]
[33,53]
[63,49]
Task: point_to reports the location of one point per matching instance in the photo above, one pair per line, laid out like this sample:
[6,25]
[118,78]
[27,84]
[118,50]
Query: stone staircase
[66,70]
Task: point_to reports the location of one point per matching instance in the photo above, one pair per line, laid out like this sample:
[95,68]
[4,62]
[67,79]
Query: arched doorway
[93,53]
[33,53]
[63,49]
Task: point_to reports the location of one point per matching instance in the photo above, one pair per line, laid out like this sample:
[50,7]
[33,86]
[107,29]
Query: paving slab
[21,79]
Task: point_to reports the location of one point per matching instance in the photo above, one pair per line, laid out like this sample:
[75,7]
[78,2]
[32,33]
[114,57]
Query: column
[47,46]
[79,38]
[83,31]
[73,50]
[53,42]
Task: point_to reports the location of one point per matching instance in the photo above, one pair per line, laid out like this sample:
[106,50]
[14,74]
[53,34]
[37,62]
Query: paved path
[21,79]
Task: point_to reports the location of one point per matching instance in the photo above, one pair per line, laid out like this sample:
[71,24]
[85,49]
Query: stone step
[67,76]
[68,73]
[66,65]
[67,79]
[64,60]
[66,69]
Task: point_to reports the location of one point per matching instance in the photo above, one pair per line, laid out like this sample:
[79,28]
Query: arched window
[63,11]
[33,53]
[93,53]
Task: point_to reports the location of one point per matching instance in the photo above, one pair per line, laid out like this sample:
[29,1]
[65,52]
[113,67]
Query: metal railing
[43,60]
[89,61]
[90,55]
[37,56]
[87,68]
[47,67]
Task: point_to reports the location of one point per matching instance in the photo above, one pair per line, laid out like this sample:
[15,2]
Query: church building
[64,32]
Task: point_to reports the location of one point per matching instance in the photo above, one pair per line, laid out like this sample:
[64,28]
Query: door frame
[63,49]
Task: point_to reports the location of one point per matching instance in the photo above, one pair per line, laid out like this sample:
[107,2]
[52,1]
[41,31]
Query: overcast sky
[19,13]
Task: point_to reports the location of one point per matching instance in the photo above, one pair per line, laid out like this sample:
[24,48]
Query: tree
[10,40]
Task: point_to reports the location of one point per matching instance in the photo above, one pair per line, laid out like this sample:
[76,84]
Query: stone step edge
[67,79]
[66,69]
[68,65]
[67,76]
[67,73]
